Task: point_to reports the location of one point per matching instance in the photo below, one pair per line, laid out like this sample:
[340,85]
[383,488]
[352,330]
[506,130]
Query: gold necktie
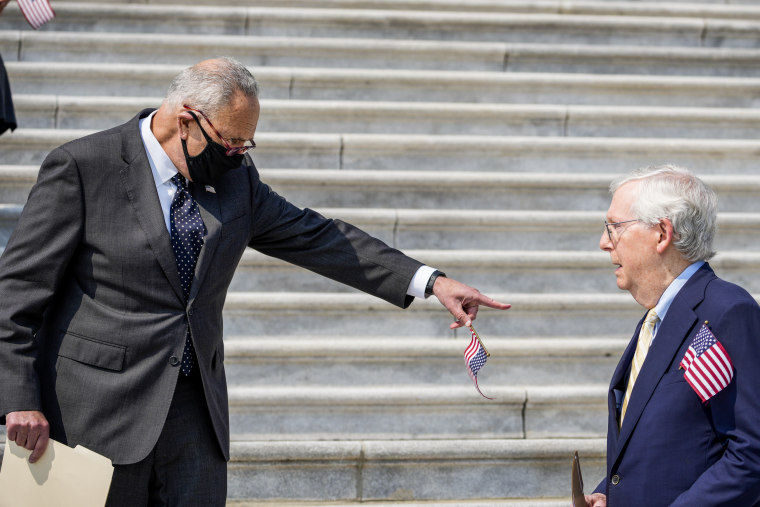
[642,347]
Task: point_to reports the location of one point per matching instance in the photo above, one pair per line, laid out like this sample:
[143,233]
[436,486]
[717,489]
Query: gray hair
[674,192]
[210,86]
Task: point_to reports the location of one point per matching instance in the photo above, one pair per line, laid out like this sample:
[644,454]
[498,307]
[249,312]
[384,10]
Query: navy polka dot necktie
[187,232]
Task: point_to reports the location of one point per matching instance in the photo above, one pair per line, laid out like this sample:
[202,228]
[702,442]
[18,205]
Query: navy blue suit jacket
[673,449]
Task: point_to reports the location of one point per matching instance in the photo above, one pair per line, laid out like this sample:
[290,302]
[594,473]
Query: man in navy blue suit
[684,401]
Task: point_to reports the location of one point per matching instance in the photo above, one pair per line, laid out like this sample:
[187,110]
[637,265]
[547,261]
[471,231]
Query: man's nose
[604,241]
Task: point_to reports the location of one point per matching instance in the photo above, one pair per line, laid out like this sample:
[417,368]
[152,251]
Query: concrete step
[487,190]
[383,412]
[679,8]
[449,152]
[534,271]
[294,314]
[152,80]
[495,230]
[427,118]
[325,314]
[410,473]
[424,24]
[257,51]
[418,470]
[502,502]
[363,360]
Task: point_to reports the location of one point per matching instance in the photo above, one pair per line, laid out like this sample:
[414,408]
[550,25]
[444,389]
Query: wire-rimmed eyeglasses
[616,225]
[231,150]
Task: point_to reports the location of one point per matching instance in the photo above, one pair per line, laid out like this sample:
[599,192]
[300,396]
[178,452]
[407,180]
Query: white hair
[211,86]
[673,192]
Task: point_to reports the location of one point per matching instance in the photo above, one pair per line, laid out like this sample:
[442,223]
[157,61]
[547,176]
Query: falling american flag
[708,367]
[475,356]
[36,12]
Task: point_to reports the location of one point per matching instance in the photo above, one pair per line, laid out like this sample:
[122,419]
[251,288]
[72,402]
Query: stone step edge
[56,106]
[505,502]
[605,8]
[497,52]
[250,451]
[293,76]
[491,145]
[378,347]
[516,259]
[241,17]
[245,448]
[422,179]
[491,219]
[414,395]
[474,258]
[360,302]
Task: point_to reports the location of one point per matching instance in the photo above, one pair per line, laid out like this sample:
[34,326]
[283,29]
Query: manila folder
[62,477]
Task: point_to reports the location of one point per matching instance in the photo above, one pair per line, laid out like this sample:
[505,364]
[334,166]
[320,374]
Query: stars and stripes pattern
[475,356]
[36,12]
[708,366]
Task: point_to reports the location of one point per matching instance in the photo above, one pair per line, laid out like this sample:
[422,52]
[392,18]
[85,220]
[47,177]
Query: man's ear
[665,235]
[183,124]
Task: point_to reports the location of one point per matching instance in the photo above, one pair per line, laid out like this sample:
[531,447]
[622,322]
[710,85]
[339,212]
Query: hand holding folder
[62,477]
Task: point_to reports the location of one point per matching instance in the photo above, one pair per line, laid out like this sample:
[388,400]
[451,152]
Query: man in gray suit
[113,283]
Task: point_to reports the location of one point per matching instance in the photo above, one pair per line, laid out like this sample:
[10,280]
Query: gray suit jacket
[91,307]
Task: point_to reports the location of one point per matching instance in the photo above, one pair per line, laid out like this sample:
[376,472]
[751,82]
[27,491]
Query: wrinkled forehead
[239,119]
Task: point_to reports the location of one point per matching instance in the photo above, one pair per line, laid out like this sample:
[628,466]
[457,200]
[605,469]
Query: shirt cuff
[419,282]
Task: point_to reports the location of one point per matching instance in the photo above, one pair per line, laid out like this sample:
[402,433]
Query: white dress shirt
[670,293]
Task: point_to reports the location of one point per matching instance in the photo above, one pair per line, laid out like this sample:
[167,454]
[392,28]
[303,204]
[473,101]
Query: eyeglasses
[616,225]
[231,150]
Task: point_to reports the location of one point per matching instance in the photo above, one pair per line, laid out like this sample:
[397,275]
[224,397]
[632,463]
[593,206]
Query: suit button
[174,361]
[190,311]
[615,479]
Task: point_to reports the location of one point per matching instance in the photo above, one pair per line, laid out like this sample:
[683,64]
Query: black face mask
[207,166]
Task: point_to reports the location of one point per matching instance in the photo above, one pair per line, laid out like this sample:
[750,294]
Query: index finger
[492,303]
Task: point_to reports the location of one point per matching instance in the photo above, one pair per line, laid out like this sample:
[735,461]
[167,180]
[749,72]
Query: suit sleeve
[332,248]
[31,267]
[735,478]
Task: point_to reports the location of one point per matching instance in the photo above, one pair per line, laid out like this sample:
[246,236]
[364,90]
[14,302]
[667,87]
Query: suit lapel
[208,204]
[137,181]
[619,379]
[676,327]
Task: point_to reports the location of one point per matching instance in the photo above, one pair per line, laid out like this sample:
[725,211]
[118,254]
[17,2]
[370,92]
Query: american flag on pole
[36,12]
[708,367]
[475,356]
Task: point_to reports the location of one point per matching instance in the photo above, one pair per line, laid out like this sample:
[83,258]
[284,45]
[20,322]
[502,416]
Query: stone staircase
[477,136]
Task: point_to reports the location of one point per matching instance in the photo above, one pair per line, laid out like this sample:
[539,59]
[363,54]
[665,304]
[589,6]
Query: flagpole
[488,354]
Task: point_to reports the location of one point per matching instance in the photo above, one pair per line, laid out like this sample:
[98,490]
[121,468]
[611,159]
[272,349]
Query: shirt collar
[160,163]
[674,288]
